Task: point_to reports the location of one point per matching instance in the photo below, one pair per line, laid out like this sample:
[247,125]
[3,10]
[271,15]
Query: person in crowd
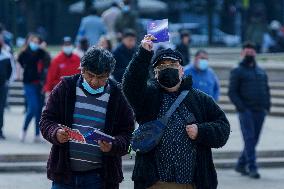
[183,157]
[203,77]
[127,19]
[183,47]
[91,27]
[124,52]
[6,61]
[82,47]
[66,63]
[89,100]
[249,92]
[109,17]
[34,61]
[105,43]
[273,40]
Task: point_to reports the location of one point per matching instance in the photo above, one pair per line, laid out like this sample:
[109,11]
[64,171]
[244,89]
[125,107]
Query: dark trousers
[251,124]
[90,180]
[34,105]
[3,97]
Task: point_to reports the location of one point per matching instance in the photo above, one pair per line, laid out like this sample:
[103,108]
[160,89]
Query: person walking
[6,60]
[183,157]
[184,47]
[66,63]
[33,60]
[249,92]
[123,53]
[90,100]
[203,77]
[91,27]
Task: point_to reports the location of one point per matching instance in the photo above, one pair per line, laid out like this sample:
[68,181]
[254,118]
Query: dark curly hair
[98,61]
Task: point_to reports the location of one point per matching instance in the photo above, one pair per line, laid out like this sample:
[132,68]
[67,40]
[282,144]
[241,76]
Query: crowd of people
[103,79]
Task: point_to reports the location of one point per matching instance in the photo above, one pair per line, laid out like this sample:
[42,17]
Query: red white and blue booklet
[90,135]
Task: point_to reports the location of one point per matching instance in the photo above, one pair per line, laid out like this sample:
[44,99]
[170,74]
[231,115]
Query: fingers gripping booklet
[89,136]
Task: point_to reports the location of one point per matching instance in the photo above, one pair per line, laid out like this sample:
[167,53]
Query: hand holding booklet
[89,136]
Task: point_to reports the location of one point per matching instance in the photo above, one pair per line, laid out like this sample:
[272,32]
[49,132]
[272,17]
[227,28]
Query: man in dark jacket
[249,91]
[183,157]
[6,60]
[124,53]
[89,100]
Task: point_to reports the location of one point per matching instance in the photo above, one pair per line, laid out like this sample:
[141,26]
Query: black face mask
[169,77]
[249,59]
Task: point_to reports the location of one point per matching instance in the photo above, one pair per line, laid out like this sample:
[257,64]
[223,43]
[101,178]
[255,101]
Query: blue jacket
[206,81]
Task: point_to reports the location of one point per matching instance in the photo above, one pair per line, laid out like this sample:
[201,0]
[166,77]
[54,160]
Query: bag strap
[175,105]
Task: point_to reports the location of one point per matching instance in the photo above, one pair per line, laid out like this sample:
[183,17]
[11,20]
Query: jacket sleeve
[233,92]
[52,76]
[135,78]
[215,131]
[268,95]
[50,116]
[216,88]
[124,129]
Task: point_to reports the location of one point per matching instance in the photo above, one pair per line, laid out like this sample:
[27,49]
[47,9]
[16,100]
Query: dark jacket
[35,65]
[59,110]
[145,98]
[248,88]
[122,56]
[184,50]
[5,67]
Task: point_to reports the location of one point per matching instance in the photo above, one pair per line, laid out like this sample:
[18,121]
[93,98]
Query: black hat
[166,54]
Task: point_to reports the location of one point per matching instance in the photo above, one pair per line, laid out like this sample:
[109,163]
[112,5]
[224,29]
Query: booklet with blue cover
[159,29]
[89,136]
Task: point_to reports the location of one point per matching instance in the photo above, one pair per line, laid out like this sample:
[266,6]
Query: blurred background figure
[6,61]
[123,53]
[65,63]
[91,27]
[105,43]
[184,47]
[82,47]
[203,77]
[33,60]
[6,38]
[257,27]
[126,20]
[274,39]
[109,17]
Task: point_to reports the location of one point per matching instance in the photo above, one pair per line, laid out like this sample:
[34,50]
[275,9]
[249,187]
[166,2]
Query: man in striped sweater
[87,101]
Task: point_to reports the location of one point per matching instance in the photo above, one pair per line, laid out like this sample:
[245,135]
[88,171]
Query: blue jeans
[251,124]
[34,105]
[91,180]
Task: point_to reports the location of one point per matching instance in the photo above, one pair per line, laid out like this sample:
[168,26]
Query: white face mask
[67,49]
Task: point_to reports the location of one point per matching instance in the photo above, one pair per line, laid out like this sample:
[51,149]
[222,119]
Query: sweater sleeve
[135,78]
[233,92]
[215,131]
[50,116]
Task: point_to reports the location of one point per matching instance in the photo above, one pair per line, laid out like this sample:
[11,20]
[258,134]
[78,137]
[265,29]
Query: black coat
[59,110]
[145,98]
[248,88]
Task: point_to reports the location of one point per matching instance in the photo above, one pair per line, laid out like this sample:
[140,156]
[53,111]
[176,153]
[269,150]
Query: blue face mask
[203,64]
[90,90]
[34,46]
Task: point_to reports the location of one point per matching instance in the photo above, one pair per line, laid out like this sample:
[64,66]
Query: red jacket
[62,65]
